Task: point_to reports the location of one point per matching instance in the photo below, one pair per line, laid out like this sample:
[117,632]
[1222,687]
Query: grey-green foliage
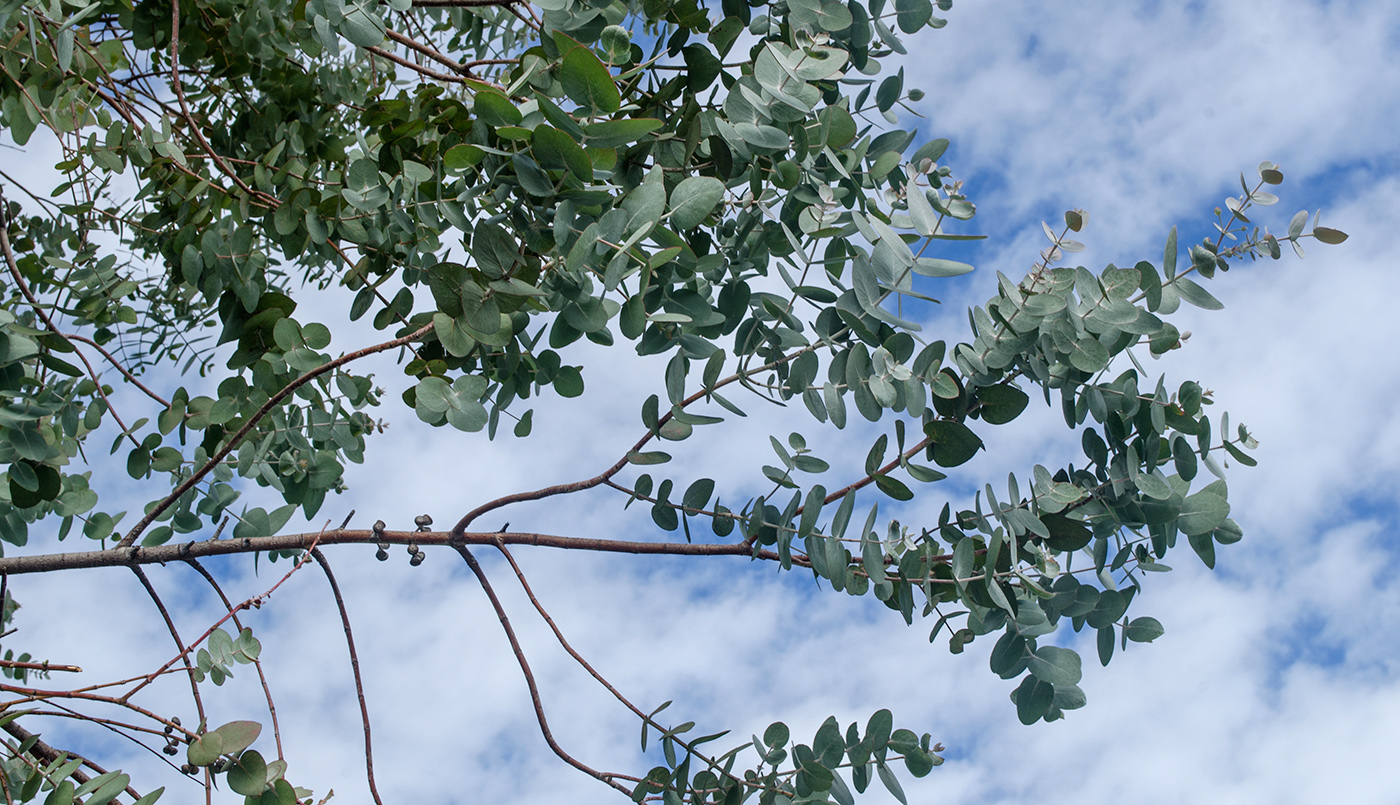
[494,183]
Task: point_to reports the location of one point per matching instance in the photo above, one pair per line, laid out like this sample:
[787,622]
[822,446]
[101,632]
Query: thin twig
[189,118]
[40,666]
[583,663]
[430,52]
[175,635]
[255,601]
[118,366]
[257,417]
[13,267]
[354,669]
[257,663]
[530,677]
[578,486]
[417,68]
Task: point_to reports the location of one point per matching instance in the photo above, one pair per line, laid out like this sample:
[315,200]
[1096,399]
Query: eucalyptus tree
[492,181]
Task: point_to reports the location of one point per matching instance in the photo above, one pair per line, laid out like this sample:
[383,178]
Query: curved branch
[175,635]
[257,417]
[13,266]
[462,3]
[579,486]
[607,779]
[417,68]
[257,663]
[354,669]
[189,118]
[118,366]
[251,602]
[431,52]
[583,663]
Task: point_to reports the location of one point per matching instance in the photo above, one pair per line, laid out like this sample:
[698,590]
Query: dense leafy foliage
[494,181]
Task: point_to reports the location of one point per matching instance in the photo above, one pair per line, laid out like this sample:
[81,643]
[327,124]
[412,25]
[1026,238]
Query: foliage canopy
[494,181]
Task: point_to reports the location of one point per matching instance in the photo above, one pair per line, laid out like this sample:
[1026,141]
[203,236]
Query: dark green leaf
[1326,235]
[587,82]
[1144,630]
[556,150]
[1001,403]
[953,442]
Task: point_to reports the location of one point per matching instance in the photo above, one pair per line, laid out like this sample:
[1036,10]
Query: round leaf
[249,775]
[693,200]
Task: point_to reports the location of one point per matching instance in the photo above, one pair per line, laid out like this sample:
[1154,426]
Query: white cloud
[1276,680]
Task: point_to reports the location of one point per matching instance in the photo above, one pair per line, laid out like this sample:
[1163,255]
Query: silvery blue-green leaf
[1196,295]
[64,49]
[1057,666]
[1154,485]
[1144,630]
[891,782]
[693,200]
[1295,226]
[887,36]
[939,267]
[762,136]
[835,405]
[362,24]
[1202,512]
[921,212]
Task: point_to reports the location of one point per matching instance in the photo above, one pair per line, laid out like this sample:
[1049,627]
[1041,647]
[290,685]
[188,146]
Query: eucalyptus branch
[257,417]
[38,308]
[583,663]
[417,68]
[257,661]
[160,554]
[354,670]
[179,89]
[116,364]
[605,778]
[430,52]
[255,601]
[174,635]
[578,486]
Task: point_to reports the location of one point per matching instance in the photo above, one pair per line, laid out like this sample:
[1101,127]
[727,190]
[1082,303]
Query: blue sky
[1278,678]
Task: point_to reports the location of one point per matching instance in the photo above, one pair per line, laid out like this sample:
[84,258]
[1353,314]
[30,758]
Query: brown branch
[13,267]
[160,554]
[43,695]
[867,480]
[119,728]
[578,486]
[257,417]
[257,663]
[354,669]
[175,635]
[40,666]
[189,118]
[430,52]
[462,3]
[417,68]
[607,779]
[583,663]
[487,62]
[117,365]
[49,755]
[255,601]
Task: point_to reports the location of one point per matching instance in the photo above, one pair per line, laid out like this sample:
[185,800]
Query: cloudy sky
[1278,679]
